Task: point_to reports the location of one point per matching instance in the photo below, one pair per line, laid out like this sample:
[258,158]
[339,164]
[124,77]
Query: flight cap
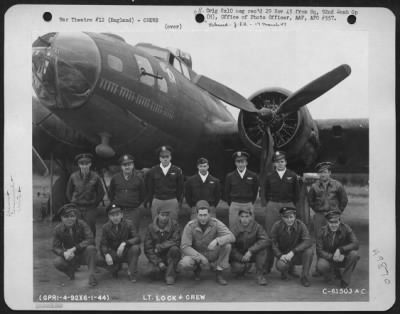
[240,155]
[126,159]
[202,161]
[278,155]
[333,215]
[287,210]
[113,208]
[323,165]
[67,209]
[164,150]
[83,157]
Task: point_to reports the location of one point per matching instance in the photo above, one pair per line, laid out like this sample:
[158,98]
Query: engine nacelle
[295,133]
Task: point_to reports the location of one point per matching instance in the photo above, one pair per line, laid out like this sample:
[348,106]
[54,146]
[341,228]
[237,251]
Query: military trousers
[89,215]
[171,258]
[87,257]
[133,214]
[259,258]
[319,221]
[303,258]
[129,256]
[327,268]
[219,256]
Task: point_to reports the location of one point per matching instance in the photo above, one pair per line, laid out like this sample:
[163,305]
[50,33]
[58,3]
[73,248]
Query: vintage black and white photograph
[192,163]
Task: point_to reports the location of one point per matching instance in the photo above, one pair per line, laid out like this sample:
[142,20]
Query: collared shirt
[328,242]
[241,190]
[251,238]
[281,173]
[241,173]
[196,189]
[285,189]
[113,235]
[126,193]
[165,169]
[297,240]
[79,236]
[84,190]
[323,198]
[163,238]
[203,177]
[195,241]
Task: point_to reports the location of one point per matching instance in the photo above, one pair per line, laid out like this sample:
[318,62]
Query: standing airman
[202,186]
[164,184]
[325,195]
[85,190]
[241,188]
[281,190]
[127,190]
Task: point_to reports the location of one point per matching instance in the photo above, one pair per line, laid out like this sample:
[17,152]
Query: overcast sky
[250,61]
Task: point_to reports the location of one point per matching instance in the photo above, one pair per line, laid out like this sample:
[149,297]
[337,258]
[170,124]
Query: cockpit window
[177,65]
[145,67]
[162,85]
[158,53]
[185,70]
[115,63]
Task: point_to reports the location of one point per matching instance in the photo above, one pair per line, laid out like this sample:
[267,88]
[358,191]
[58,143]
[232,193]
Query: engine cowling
[295,133]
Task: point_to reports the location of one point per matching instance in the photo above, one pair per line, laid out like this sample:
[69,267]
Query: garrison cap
[125,159]
[240,155]
[244,210]
[66,209]
[333,214]
[324,165]
[164,150]
[202,160]
[202,204]
[278,155]
[286,210]
[113,208]
[83,157]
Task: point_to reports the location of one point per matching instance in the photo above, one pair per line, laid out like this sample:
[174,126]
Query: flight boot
[220,279]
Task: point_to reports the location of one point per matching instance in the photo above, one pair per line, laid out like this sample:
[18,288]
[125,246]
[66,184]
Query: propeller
[314,89]
[267,116]
[293,103]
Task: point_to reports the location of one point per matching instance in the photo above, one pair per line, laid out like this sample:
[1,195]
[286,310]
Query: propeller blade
[224,93]
[314,89]
[267,151]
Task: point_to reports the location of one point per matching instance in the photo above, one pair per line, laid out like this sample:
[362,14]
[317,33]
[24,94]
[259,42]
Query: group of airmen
[205,242]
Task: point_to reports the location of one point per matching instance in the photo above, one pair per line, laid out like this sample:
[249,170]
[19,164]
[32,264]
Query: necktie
[333,239]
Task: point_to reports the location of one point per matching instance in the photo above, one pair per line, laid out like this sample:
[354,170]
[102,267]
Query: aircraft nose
[65,69]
